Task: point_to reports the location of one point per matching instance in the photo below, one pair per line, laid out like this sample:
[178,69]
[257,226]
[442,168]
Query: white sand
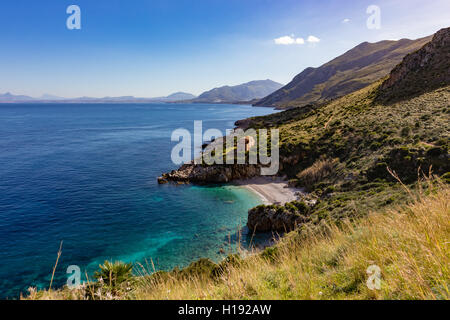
[271,190]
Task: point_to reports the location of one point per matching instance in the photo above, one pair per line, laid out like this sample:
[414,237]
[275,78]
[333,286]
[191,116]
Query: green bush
[113,274]
[446,177]
[406,131]
[270,253]
[202,267]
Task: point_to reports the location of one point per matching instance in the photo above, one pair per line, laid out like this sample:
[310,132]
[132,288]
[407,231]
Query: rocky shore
[194,173]
[277,218]
[274,191]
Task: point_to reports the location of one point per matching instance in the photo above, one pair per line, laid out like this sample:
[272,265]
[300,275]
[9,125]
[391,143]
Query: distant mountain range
[241,93]
[347,73]
[8,97]
[244,93]
[46,98]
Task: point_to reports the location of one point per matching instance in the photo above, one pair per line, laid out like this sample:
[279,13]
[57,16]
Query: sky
[152,48]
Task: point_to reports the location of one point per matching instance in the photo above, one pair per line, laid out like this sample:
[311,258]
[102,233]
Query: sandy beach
[271,190]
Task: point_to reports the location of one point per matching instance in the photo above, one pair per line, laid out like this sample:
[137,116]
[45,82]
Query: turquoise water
[86,174]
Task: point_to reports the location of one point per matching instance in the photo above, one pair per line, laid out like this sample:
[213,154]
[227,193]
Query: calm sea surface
[86,174]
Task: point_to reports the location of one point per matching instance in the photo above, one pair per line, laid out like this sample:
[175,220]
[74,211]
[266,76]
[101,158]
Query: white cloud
[288,40]
[346,20]
[313,39]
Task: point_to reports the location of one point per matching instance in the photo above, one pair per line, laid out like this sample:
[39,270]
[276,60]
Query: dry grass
[410,244]
[317,172]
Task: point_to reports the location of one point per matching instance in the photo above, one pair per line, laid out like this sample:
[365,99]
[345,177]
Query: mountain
[47,98]
[8,97]
[50,97]
[420,71]
[179,96]
[355,69]
[243,92]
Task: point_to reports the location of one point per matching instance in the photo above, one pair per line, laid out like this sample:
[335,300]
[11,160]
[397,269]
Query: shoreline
[271,190]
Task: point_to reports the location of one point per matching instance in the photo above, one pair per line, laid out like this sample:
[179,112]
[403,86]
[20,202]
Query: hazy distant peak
[9,97]
[46,96]
[180,96]
[248,91]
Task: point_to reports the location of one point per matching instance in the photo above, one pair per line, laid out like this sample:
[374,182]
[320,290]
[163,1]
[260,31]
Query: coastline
[271,190]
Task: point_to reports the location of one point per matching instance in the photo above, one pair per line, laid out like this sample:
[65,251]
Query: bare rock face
[421,71]
[192,173]
[243,124]
[278,218]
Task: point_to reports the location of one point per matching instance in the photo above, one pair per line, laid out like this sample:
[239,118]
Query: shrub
[375,146]
[270,253]
[199,268]
[113,274]
[406,131]
[446,177]
[317,172]
[300,206]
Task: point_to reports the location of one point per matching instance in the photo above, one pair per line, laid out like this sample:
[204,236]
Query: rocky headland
[202,174]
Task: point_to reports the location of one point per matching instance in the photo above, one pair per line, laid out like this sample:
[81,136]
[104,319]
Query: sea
[83,177]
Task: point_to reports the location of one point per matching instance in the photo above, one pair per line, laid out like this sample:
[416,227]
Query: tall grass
[317,172]
[410,244]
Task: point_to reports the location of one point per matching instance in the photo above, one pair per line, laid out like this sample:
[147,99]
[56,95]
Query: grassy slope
[362,138]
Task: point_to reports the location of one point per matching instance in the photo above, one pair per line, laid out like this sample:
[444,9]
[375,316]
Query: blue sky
[152,48]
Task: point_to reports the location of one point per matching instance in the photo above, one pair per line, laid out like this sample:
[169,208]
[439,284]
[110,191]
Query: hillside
[355,69]
[243,92]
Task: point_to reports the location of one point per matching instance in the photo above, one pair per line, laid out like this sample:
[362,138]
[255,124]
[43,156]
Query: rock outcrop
[422,71]
[278,218]
[193,173]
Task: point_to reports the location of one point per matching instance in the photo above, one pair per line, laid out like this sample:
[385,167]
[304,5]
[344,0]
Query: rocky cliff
[193,173]
[422,71]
